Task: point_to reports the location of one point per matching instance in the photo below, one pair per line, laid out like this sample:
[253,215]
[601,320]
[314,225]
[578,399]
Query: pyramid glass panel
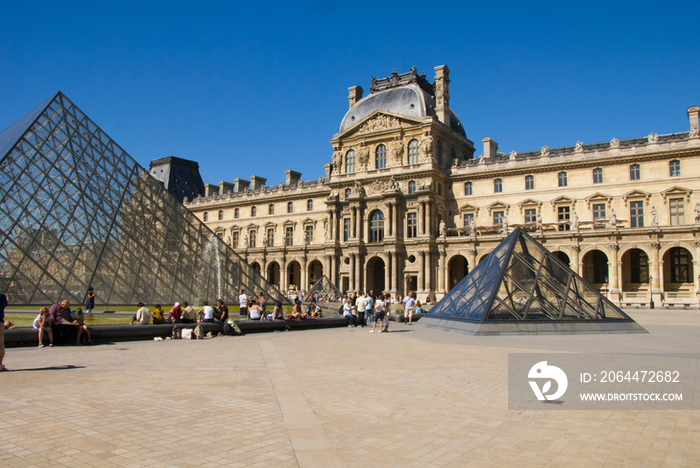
[79,211]
[522,282]
[326,290]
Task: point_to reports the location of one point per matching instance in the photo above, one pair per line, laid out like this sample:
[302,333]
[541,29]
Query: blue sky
[247,88]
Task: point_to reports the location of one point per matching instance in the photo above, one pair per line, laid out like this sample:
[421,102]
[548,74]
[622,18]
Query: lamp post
[651,294]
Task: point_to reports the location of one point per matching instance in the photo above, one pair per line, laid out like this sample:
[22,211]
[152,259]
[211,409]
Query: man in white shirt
[408,304]
[379,311]
[143,315]
[347,313]
[360,303]
[243,302]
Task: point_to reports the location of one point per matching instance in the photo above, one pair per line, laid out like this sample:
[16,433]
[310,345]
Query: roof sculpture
[78,211]
[521,287]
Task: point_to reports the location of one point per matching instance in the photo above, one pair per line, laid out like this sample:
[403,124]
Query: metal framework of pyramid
[521,287]
[326,290]
[78,211]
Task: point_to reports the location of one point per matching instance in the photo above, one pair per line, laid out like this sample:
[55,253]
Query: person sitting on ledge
[221,311]
[347,312]
[318,312]
[143,315]
[278,313]
[158,318]
[44,326]
[60,318]
[254,310]
[206,313]
[188,314]
[79,321]
[175,314]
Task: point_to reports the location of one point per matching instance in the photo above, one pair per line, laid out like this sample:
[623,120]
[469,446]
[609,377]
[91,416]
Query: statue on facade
[653,138]
[362,157]
[443,228]
[697,213]
[245,241]
[513,155]
[472,225]
[654,216]
[579,147]
[544,151]
[538,223]
[504,226]
[264,239]
[398,152]
[337,161]
[393,184]
[614,143]
[574,221]
[427,146]
[358,188]
[613,219]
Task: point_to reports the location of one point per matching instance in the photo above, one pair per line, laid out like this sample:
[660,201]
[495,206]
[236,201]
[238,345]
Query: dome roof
[410,100]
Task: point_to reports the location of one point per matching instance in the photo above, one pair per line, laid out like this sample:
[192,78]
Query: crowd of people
[56,322]
[367,308]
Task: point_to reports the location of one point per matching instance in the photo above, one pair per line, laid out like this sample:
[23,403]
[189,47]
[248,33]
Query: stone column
[613,282]
[304,280]
[442,271]
[352,272]
[387,273]
[575,260]
[429,218]
[354,223]
[656,272]
[421,271]
[283,275]
[359,272]
[472,259]
[394,278]
[421,220]
[333,269]
[429,270]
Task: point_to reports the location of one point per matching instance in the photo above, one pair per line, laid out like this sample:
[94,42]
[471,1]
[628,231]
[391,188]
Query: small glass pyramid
[78,211]
[326,291]
[521,282]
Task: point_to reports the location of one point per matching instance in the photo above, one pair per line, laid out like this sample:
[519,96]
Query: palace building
[407,204]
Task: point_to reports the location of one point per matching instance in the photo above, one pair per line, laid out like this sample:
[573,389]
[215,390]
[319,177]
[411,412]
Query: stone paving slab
[325,398]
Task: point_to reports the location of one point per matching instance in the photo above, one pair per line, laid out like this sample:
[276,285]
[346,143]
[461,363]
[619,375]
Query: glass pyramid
[522,282]
[78,211]
[326,290]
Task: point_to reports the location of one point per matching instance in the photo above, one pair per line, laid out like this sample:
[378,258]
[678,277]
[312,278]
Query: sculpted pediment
[377,122]
[677,192]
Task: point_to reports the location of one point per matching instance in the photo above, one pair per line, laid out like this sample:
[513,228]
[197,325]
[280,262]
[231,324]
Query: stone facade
[405,205]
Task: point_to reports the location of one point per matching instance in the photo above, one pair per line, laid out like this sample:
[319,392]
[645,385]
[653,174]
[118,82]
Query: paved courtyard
[327,398]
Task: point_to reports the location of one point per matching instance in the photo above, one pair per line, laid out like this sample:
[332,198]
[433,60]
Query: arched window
[674,168]
[498,185]
[681,265]
[412,187]
[271,209]
[634,172]
[350,162]
[236,213]
[413,151]
[253,211]
[529,182]
[309,205]
[205,217]
[290,207]
[221,215]
[380,157]
[376,227]
[467,188]
[563,179]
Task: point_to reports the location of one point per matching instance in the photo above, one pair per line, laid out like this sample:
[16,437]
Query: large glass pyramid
[78,211]
[325,290]
[522,287]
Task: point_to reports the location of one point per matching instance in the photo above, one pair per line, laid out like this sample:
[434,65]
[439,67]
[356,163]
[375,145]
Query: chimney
[240,184]
[292,177]
[225,187]
[442,94]
[257,182]
[210,189]
[693,117]
[355,94]
[490,147]
[329,170]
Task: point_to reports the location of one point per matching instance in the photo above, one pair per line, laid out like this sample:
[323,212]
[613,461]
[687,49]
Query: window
[529,182]
[637,214]
[677,208]
[467,188]
[234,239]
[498,217]
[563,179]
[531,215]
[288,235]
[439,189]
[639,266]
[205,216]
[674,168]
[236,213]
[598,214]
[253,211]
[309,205]
[290,207]
[347,193]
[376,227]
[221,215]
[412,187]
[251,238]
[598,176]
[680,265]
[412,225]
[271,209]
[350,162]
[309,235]
[563,216]
[380,157]
[498,185]
[634,172]
[347,226]
[413,151]
[468,219]
[438,152]
[270,237]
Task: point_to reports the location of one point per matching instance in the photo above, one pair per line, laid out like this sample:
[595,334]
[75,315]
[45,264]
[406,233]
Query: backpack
[340,310]
[199,332]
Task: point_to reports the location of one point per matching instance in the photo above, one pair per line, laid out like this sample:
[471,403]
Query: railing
[636,295]
[679,295]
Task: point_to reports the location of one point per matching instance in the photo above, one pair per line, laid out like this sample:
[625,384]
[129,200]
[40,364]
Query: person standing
[369,307]
[361,303]
[90,301]
[408,304]
[242,302]
[3,304]
[387,313]
[378,313]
